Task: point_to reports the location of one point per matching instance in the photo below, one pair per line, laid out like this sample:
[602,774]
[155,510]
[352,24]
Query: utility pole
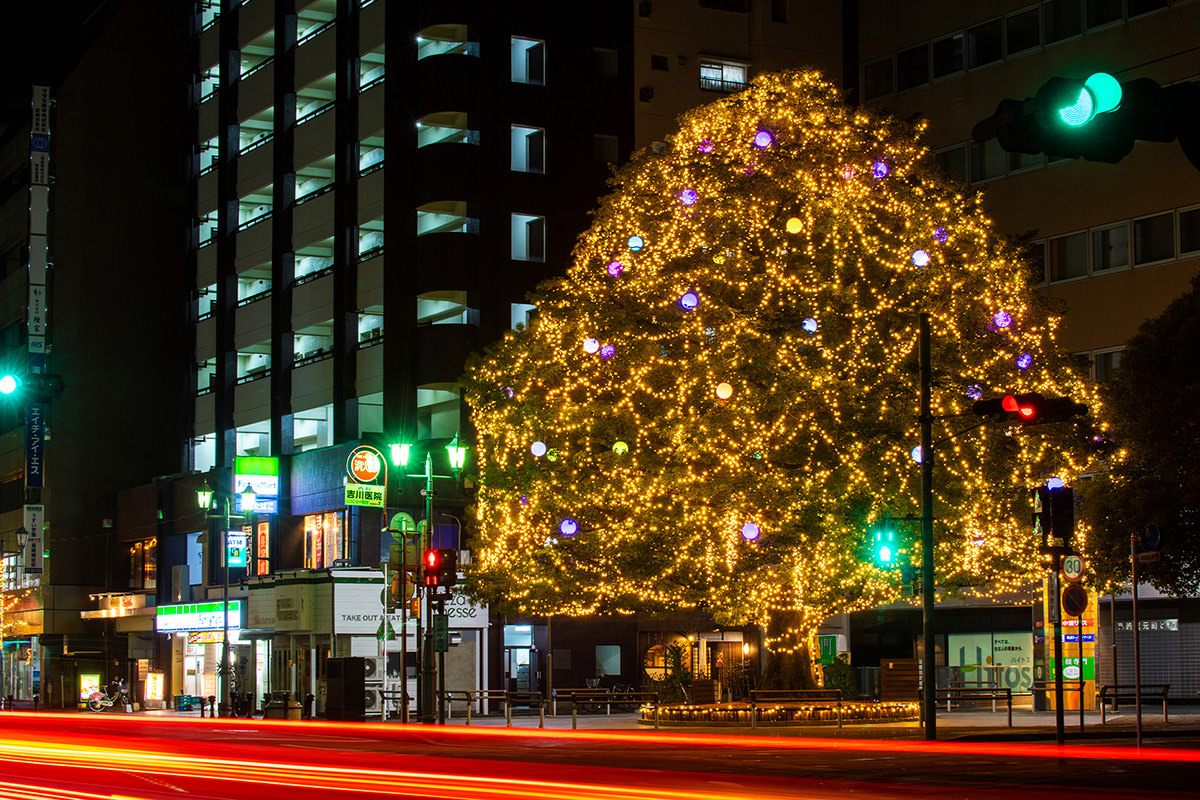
[929,674]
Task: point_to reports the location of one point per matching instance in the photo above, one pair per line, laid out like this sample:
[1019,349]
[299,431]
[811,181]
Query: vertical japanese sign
[35,521]
[35,441]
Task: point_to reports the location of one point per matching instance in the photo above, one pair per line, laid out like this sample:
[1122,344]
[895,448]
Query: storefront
[197,634]
[311,615]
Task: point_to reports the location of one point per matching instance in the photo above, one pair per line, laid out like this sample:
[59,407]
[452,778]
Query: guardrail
[470,697]
[1117,690]
[606,697]
[992,693]
[814,695]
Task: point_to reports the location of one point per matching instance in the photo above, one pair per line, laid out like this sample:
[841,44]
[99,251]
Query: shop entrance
[520,659]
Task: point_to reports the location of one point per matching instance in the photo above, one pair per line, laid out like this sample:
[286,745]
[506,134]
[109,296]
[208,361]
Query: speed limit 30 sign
[1072,568]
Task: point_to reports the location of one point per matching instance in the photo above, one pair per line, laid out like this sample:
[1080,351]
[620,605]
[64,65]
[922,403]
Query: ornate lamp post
[457,455]
[204,497]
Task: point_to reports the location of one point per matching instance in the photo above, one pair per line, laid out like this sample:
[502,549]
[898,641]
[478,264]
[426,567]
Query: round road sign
[1074,600]
[1151,537]
[1072,568]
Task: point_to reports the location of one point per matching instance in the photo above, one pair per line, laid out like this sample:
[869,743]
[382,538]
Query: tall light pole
[204,497]
[457,455]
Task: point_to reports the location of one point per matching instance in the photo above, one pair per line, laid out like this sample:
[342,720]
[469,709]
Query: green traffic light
[9,384]
[1101,92]
[883,546]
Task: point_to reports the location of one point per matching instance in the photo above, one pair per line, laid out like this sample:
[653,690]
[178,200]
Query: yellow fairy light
[814,445]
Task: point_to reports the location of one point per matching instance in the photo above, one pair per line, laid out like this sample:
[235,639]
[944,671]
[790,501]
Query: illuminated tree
[719,401]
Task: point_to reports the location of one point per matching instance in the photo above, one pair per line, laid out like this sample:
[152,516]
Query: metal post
[1112,626]
[427,663]
[1137,645]
[929,677]
[441,673]
[1079,621]
[224,666]
[1056,622]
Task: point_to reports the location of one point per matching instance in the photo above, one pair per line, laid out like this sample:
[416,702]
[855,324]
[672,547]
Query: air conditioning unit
[374,669]
[373,700]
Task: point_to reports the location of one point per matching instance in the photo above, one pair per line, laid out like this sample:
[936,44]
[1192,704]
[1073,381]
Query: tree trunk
[788,670]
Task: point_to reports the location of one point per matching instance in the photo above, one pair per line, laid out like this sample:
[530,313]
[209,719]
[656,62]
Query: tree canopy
[719,401]
[1156,425]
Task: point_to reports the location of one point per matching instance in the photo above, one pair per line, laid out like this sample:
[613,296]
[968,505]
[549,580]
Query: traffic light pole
[426,704]
[1060,736]
[929,675]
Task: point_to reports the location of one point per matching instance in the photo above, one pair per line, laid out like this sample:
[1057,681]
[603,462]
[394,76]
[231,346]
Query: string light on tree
[823,222]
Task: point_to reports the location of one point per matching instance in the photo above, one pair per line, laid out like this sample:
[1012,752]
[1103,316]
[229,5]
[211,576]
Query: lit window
[439,411]
[528,237]
[528,149]
[723,76]
[528,61]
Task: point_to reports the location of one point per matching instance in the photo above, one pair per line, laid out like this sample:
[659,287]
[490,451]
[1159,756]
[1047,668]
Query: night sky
[40,41]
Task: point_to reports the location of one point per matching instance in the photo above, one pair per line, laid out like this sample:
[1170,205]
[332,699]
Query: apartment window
[988,160]
[528,149]
[1189,230]
[1023,30]
[912,67]
[1154,238]
[954,161]
[605,148]
[659,62]
[984,44]
[1102,12]
[528,237]
[521,314]
[877,79]
[1105,365]
[947,56]
[1034,254]
[1067,257]
[528,61]
[723,76]
[1063,19]
[604,62]
[1110,247]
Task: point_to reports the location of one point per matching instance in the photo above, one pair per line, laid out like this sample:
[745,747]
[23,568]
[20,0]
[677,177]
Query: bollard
[212,707]
[35,701]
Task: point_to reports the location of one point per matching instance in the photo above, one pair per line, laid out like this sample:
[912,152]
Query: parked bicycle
[115,695]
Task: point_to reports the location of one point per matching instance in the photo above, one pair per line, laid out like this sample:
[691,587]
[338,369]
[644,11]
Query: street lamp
[457,455]
[204,497]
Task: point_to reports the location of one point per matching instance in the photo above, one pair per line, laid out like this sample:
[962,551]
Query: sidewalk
[1183,723]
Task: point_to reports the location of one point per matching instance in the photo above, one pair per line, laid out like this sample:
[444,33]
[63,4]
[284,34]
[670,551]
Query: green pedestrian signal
[884,546]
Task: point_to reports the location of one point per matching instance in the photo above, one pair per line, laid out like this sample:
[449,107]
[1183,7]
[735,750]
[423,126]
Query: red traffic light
[1028,409]
[441,567]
